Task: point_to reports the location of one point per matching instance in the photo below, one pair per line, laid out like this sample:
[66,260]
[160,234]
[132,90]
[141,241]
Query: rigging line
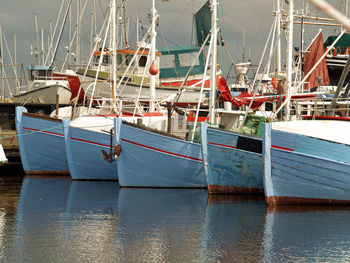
[9,55]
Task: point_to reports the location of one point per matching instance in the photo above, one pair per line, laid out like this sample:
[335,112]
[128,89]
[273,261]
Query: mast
[125,26]
[60,35]
[289,56]
[278,36]
[77,51]
[70,36]
[214,32]
[114,51]
[152,88]
[37,38]
[42,45]
[137,29]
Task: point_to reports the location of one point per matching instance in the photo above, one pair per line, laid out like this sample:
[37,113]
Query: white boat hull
[47,94]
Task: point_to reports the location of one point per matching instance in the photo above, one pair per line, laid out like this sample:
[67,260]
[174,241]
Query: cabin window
[40,74]
[167,61]
[128,60]
[142,61]
[96,60]
[106,59]
[119,59]
[186,59]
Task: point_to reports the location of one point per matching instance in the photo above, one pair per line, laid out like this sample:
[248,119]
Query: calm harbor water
[59,220]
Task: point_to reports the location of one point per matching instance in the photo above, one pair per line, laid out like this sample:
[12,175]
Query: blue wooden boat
[85,140]
[151,159]
[232,161]
[41,143]
[307,162]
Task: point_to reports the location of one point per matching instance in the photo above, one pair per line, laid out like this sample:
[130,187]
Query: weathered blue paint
[228,169]
[149,159]
[314,170]
[41,144]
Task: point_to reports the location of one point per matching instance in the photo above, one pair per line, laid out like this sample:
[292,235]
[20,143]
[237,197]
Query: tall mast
[152,89]
[77,51]
[125,26]
[214,33]
[114,51]
[289,55]
[278,36]
[37,38]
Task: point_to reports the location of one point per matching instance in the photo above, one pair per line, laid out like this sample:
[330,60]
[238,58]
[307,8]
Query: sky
[245,24]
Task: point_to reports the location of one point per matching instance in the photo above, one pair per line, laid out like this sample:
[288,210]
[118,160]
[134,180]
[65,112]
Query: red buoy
[153,70]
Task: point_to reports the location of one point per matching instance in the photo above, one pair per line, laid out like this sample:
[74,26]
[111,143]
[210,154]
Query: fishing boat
[307,162]
[41,143]
[152,159]
[43,87]
[73,81]
[173,63]
[91,142]
[232,161]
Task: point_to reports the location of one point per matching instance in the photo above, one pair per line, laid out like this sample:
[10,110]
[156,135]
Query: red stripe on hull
[162,151]
[36,130]
[90,142]
[196,82]
[221,189]
[282,148]
[284,200]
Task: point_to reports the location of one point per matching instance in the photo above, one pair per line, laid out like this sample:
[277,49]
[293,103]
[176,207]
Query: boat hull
[41,143]
[230,167]
[164,92]
[84,146]
[46,94]
[150,159]
[74,83]
[302,169]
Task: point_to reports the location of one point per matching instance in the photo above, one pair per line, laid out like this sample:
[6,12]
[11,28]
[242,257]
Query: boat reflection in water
[160,225]
[233,229]
[60,220]
[40,214]
[307,234]
[91,221]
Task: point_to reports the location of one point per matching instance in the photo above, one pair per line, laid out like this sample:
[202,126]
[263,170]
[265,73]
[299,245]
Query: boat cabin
[38,73]
[176,61]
